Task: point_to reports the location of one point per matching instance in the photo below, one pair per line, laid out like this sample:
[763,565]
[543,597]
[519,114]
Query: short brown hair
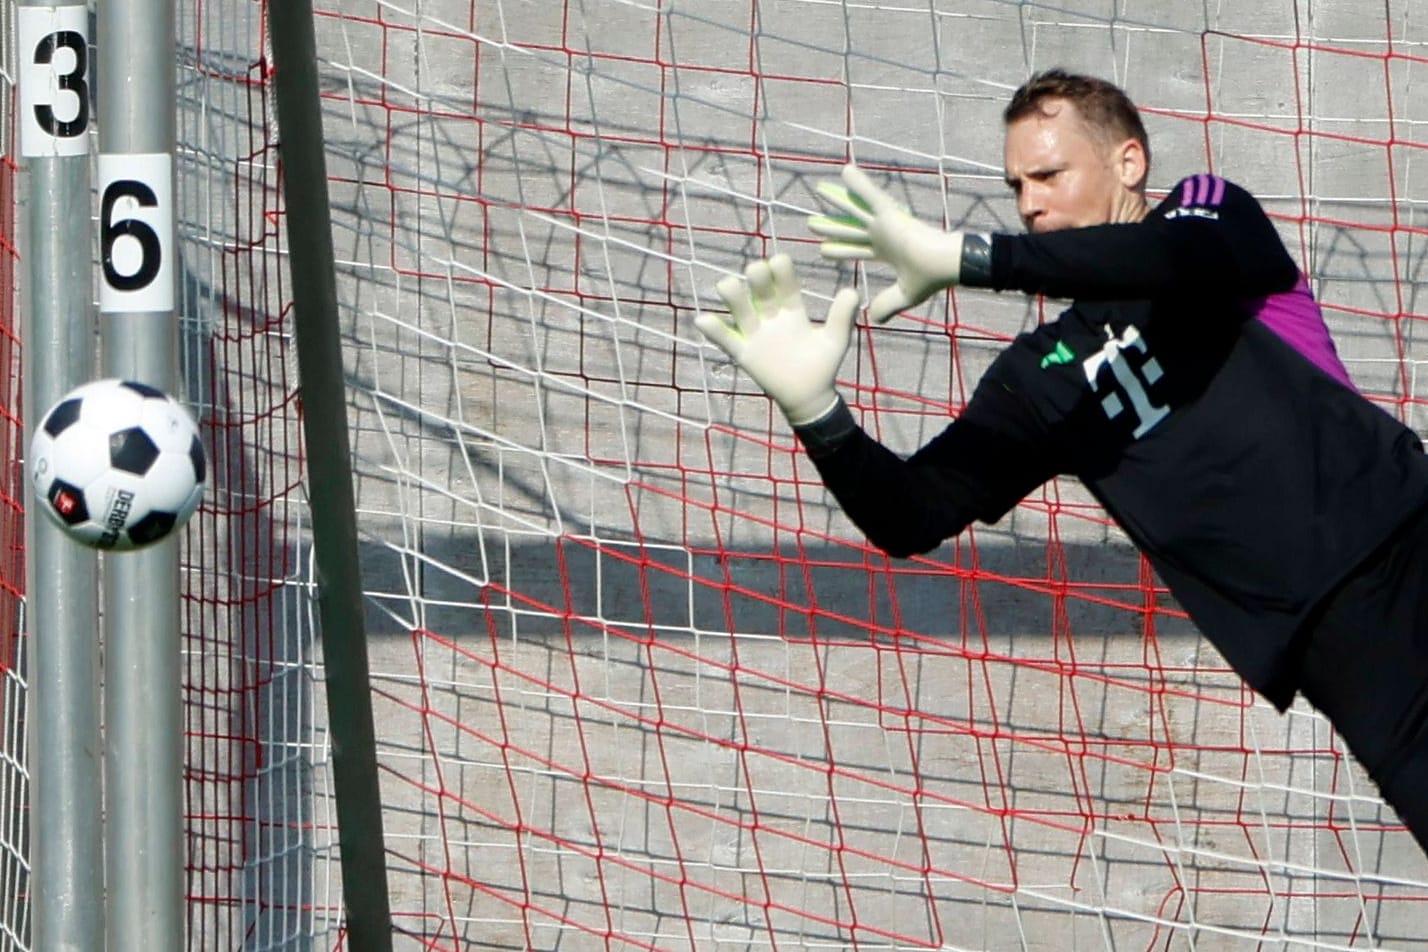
[1104,106]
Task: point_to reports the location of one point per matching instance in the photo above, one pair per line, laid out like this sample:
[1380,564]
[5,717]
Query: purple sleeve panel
[1295,318]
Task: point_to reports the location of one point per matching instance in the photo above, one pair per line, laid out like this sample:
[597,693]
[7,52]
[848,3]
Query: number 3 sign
[54,80]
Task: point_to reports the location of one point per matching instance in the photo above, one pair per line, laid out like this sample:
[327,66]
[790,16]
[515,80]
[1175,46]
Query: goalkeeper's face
[1065,174]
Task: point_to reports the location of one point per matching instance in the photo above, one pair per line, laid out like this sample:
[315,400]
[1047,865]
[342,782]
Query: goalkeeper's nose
[1030,209]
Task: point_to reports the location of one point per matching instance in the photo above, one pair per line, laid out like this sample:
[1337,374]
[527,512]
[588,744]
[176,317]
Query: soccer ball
[117,464]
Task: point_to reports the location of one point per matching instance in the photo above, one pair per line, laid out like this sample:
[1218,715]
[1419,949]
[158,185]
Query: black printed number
[111,231]
[71,82]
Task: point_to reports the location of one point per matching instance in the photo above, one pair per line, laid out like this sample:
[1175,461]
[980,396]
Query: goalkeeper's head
[1076,152]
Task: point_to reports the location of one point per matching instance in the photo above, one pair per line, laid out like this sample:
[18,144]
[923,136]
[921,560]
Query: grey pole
[63,712]
[138,332]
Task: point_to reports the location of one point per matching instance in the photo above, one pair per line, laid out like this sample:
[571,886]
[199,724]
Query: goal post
[137,281]
[60,715]
[334,520]
[636,682]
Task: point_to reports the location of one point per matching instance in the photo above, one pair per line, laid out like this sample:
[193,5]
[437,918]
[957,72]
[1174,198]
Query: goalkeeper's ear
[1131,160]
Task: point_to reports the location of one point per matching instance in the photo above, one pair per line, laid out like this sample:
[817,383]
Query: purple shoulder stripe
[1202,191]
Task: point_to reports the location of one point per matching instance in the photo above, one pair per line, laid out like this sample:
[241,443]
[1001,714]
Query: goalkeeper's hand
[768,334]
[875,226]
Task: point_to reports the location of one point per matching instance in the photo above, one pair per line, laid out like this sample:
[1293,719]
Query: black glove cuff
[824,435]
[976,260]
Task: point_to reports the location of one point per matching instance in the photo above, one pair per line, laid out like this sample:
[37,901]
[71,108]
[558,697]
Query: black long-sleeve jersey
[1193,387]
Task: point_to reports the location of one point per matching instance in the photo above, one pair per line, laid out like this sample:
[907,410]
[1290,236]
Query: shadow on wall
[829,591]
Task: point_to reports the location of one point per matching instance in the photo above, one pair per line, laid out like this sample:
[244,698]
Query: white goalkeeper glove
[875,226]
[768,334]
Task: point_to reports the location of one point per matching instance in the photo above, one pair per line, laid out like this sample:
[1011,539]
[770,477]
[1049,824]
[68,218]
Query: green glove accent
[876,228]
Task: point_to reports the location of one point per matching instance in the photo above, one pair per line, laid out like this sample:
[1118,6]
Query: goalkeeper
[1191,385]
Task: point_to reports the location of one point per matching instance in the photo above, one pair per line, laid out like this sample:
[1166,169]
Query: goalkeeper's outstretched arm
[977,468]
[1210,238]
[972,471]
[1219,246]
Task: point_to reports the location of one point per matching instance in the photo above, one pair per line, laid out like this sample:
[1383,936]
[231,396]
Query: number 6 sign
[136,226]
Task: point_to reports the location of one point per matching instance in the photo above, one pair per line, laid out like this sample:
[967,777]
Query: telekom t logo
[1129,380]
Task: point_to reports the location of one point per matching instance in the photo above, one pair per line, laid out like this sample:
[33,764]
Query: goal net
[638,683]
